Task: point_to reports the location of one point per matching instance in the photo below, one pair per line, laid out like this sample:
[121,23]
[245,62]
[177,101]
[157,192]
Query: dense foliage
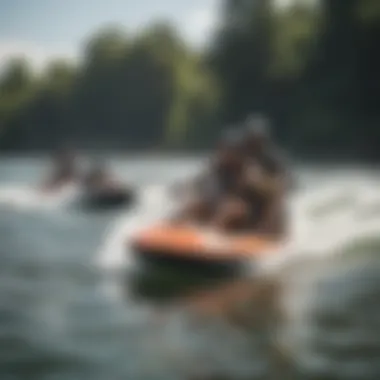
[311,67]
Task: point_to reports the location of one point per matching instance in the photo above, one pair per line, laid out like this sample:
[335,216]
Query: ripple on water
[57,324]
[335,329]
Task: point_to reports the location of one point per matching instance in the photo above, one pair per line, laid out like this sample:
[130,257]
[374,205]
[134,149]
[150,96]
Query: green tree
[17,88]
[242,56]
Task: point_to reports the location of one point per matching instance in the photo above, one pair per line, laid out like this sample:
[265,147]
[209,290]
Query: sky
[44,29]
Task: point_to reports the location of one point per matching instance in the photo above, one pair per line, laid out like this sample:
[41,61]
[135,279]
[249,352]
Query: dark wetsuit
[217,186]
[220,184]
[213,187]
[273,164]
[272,161]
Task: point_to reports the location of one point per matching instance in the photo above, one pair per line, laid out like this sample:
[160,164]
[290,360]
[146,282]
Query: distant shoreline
[134,154]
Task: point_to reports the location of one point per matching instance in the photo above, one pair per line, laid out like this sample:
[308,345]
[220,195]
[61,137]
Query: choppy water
[74,306]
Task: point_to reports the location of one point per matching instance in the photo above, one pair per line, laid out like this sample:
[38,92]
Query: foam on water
[325,220]
[26,197]
[153,205]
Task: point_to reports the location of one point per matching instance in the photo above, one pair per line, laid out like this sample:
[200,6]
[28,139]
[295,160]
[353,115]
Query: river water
[74,305]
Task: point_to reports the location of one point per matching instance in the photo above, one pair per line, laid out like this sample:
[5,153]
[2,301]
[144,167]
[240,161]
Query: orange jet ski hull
[185,244]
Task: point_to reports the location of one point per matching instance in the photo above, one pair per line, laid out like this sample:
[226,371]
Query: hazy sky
[45,28]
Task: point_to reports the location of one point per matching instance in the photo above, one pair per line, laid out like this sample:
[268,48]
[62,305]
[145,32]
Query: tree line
[311,67]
